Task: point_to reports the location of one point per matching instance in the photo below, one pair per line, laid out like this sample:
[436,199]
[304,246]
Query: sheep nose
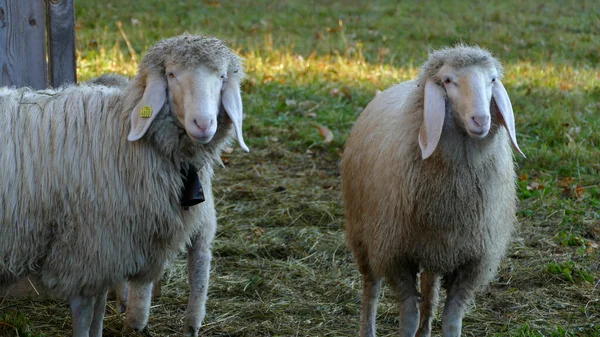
[204,124]
[481,121]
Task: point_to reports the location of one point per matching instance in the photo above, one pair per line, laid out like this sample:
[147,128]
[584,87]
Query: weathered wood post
[61,42]
[37,43]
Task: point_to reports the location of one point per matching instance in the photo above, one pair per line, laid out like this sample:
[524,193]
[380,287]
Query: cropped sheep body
[75,183]
[91,178]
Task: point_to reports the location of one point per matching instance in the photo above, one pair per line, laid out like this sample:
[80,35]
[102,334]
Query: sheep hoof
[190,331]
[145,332]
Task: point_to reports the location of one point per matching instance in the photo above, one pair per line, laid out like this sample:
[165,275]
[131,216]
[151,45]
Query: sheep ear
[148,107]
[505,113]
[434,111]
[232,102]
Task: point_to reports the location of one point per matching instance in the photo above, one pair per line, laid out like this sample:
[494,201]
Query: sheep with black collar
[91,176]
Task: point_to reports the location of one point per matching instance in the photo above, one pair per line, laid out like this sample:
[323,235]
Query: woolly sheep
[91,175]
[429,187]
[138,313]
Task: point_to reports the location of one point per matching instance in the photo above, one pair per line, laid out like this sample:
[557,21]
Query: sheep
[138,313]
[110,80]
[428,182]
[91,176]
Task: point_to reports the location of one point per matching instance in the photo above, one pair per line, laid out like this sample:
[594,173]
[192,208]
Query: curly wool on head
[459,56]
[191,51]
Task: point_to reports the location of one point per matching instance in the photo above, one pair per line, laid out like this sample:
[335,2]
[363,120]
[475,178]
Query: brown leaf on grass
[255,233]
[524,177]
[565,182]
[268,79]
[579,192]
[212,3]
[325,133]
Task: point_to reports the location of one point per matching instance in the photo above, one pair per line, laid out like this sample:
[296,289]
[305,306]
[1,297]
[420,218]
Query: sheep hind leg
[370,297]
[460,288]
[82,312]
[404,282]
[122,295]
[430,286]
[138,310]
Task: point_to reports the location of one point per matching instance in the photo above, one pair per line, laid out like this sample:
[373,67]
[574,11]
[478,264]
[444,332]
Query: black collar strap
[191,191]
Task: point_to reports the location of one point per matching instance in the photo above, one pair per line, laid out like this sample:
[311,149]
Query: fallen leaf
[267,79]
[212,3]
[579,191]
[290,103]
[135,22]
[565,182]
[325,133]
[335,92]
[228,149]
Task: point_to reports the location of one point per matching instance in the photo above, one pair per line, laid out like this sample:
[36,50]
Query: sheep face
[195,96]
[470,92]
[193,76]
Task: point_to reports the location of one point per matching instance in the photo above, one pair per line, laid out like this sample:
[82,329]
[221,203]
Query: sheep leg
[460,286]
[122,297]
[199,258]
[430,286]
[82,313]
[99,309]
[138,310]
[404,282]
[370,298]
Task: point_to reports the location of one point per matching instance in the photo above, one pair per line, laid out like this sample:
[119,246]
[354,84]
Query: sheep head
[468,80]
[194,75]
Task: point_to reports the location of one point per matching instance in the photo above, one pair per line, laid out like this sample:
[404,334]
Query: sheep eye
[171,75]
[222,77]
[493,80]
[447,80]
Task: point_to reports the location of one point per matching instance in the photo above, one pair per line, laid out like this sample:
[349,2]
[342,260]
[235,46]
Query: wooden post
[23,44]
[27,28]
[61,42]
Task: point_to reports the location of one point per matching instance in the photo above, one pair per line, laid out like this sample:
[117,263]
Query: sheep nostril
[203,125]
[480,121]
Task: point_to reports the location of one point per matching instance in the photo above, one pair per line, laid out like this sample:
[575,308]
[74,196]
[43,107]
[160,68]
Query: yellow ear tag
[146,111]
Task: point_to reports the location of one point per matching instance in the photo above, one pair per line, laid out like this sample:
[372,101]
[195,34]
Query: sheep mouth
[201,139]
[478,134]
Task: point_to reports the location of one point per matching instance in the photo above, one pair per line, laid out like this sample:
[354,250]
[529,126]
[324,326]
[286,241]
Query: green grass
[281,267]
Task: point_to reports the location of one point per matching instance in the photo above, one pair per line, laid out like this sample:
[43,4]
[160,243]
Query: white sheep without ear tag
[505,110]
[434,111]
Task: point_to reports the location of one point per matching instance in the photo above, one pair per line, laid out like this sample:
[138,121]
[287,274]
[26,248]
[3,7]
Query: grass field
[281,267]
